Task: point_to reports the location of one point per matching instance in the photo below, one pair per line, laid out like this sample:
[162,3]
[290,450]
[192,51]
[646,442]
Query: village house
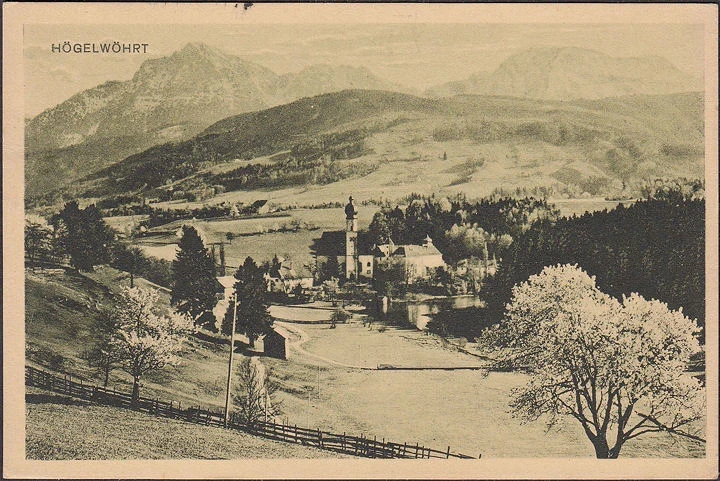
[419,260]
[228,286]
[356,256]
[286,278]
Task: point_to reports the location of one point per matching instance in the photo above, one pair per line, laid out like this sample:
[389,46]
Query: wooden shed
[275,343]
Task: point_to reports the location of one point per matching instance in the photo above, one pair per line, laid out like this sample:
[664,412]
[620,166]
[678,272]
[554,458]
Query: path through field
[331,382]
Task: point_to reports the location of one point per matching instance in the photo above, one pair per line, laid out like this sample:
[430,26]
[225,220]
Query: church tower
[350,240]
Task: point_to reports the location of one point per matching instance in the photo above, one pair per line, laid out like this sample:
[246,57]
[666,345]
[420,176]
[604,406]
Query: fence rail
[341,443]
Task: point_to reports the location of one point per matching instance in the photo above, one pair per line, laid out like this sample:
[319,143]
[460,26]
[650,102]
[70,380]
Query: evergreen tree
[131,260]
[654,247]
[87,238]
[253,318]
[194,284]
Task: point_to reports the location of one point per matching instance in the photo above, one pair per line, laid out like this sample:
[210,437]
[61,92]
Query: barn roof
[281,331]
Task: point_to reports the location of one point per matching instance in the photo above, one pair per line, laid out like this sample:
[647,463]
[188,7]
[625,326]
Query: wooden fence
[342,443]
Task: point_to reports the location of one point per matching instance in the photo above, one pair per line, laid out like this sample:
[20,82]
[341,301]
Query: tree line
[460,228]
[655,247]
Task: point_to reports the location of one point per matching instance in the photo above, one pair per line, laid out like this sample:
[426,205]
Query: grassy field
[467,410]
[254,238]
[58,427]
[416,165]
[570,207]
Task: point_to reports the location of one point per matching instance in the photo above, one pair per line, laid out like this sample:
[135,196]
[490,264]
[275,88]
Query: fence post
[448,453]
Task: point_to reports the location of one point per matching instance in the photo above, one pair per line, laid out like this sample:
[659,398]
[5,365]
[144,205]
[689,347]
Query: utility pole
[308,408]
[232,350]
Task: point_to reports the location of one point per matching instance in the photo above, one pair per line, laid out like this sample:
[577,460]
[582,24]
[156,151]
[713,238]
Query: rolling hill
[571,74]
[168,99]
[366,140]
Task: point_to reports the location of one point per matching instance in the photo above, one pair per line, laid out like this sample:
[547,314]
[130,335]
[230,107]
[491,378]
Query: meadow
[260,239]
[256,237]
[465,409]
[59,427]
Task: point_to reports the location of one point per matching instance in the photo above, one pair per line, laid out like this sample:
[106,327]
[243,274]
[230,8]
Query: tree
[329,269]
[104,355]
[654,247]
[379,230]
[131,260]
[391,277]
[38,241]
[253,317]
[194,285]
[339,316]
[86,237]
[145,340]
[253,395]
[618,368]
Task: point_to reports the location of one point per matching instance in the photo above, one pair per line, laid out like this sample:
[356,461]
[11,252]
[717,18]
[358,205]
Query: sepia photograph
[373,239]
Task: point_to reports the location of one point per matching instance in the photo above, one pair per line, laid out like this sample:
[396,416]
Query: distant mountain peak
[168,99]
[200,49]
[571,73]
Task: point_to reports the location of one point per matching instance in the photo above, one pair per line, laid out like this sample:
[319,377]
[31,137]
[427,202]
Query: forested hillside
[585,145]
[655,247]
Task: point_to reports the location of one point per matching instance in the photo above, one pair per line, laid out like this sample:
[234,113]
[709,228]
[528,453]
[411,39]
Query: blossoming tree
[145,340]
[618,368]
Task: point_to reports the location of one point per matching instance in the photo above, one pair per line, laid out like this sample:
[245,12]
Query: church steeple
[351,216]
[351,253]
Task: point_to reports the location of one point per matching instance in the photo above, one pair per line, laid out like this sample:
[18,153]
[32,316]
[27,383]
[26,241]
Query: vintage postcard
[360,241]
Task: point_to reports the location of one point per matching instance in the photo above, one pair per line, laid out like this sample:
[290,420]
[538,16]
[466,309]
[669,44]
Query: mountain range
[573,73]
[175,98]
[386,144]
[168,99]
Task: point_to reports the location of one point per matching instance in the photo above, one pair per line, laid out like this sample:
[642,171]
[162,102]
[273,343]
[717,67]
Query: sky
[415,55]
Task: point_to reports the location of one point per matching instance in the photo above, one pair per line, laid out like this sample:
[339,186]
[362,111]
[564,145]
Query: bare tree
[253,396]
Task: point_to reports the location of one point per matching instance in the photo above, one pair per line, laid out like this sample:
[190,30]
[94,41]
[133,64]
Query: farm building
[286,278]
[261,206]
[275,343]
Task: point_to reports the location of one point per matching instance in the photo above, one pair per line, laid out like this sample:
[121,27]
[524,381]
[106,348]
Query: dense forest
[655,247]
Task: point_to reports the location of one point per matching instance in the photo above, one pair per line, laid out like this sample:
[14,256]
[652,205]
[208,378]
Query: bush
[340,316]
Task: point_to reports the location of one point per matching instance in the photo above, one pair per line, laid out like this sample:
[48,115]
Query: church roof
[411,250]
[332,243]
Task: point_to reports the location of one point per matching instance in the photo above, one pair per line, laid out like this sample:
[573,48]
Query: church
[356,257]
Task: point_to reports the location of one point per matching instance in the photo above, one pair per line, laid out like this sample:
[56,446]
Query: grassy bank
[58,427]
